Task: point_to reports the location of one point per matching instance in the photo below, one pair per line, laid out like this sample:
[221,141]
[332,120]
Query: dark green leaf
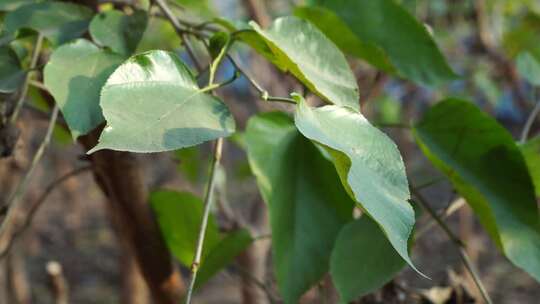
[222,254]
[488,170]
[333,27]
[369,165]
[531,153]
[296,46]
[152,103]
[74,75]
[119,31]
[529,68]
[387,25]
[11,73]
[363,260]
[58,21]
[179,216]
[307,204]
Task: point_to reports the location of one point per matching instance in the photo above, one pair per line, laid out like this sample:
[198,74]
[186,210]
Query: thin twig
[462,253]
[264,287]
[180,31]
[33,63]
[454,206]
[529,123]
[15,199]
[208,199]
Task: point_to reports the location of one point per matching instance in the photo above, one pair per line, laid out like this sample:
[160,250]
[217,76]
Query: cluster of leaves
[312,169]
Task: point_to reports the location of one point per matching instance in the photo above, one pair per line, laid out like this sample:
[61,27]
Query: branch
[461,247]
[8,225]
[33,63]
[529,123]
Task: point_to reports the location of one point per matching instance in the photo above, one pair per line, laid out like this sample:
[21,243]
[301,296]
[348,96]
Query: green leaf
[223,254]
[152,103]
[11,73]
[296,46]
[363,260]
[387,25]
[369,165]
[529,68]
[9,5]
[531,153]
[74,75]
[58,21]
[119,31]
[487,169]
[179,216]
[337,31]
[307,204]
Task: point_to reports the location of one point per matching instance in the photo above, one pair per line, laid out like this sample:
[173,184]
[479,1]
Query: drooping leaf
[487,169]
[529,68]
[223,254]
[58,21]
[296,46]
[11,73]
[362,260]
[335,29]
[531,153]
[74,75]
[369,165]
[307,204]
[388,26]
[179,215]
[119,31]
[152,103]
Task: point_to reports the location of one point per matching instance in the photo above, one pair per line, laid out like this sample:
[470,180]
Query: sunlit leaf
[369,165]
[486,167]
[296,46]
[152,103]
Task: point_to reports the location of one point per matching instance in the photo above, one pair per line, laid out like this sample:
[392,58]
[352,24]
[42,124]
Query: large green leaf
[306,201]
[387,25]
[296,46]
[335,29]
[152,103]
[531,153]
[223,254]
[487,168]
[529,68]
[119,31]
[363,260]
[11,73]
[179,215]
[369,165]
[74,75]
[58,21]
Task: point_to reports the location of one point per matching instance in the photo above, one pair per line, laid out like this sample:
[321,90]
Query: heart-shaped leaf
[119,31]
[486,167]
[74,75]
[296,46]
[11,73]
[369,165]
[152,103]
[307,203]
[58,21]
